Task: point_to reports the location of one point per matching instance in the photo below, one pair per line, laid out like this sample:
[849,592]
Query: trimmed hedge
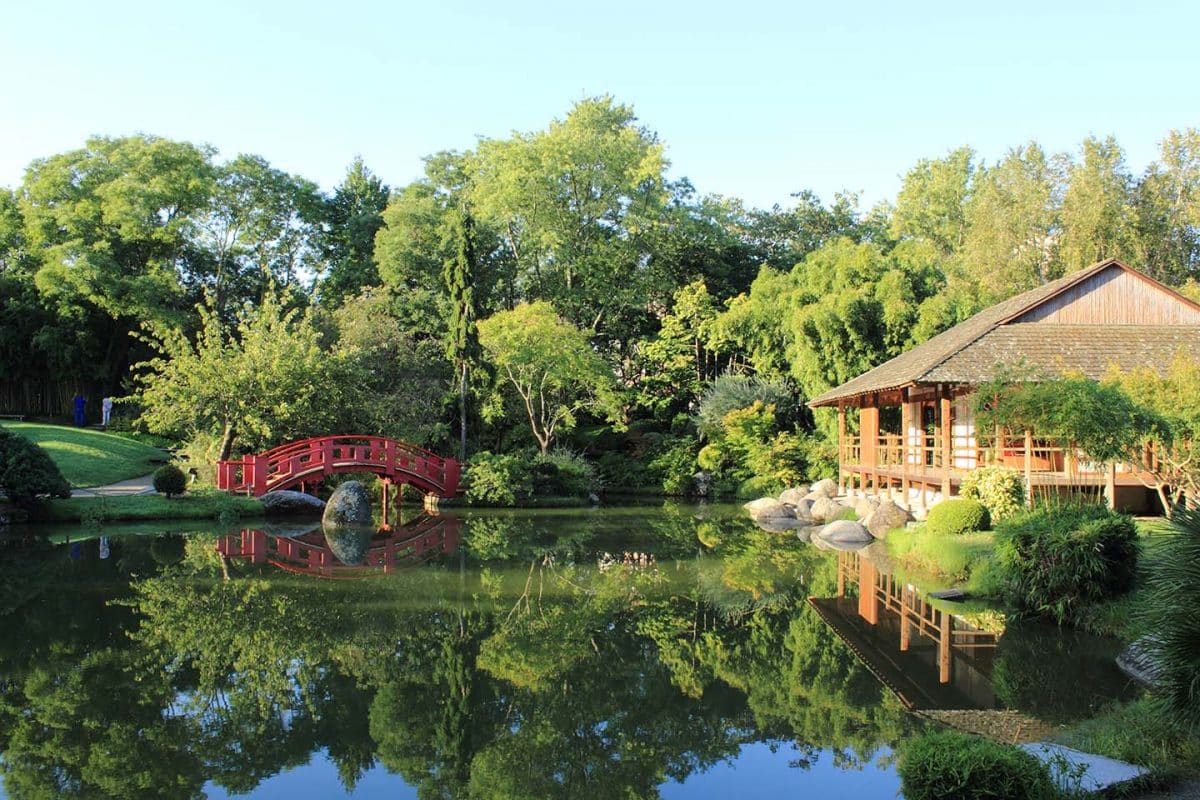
[956,517]
[945,764]
[1056,560]
[170,480]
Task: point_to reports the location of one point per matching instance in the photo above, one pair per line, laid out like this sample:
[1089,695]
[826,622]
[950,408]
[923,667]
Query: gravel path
[142,485]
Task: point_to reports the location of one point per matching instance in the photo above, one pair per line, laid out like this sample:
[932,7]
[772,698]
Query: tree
[354,216]
[1012,224]
[1168,209]
[111,224]
[268,382]
[551,367]
[1097,208]
[259,231]
[27,471]
[932,201]
[462,343]
[574,204]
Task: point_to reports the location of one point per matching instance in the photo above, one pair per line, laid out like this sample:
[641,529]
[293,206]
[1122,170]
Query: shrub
[169,480]
[674,464]
[500,480]
[756,487]
[1170,611]
[27,471]
[564,473]
[730,392]
[1000,489]
[1054,560]
[945,764]
[956,517]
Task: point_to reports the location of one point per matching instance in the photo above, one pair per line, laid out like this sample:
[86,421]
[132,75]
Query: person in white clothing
[106,411]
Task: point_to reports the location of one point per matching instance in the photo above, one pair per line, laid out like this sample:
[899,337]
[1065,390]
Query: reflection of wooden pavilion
[924,653]
[398,548]
[915,419]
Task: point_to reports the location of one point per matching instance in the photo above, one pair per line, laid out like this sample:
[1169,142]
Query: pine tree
[462,343]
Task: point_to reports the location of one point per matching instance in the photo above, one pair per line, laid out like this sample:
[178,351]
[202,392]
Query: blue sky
[753,99]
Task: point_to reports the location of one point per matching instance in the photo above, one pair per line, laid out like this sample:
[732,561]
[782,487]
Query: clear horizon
[774,100]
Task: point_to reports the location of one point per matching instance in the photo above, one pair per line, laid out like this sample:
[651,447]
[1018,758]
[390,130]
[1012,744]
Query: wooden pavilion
[916,430]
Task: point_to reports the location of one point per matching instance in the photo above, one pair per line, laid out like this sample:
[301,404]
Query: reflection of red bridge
[313,553]
[312,459]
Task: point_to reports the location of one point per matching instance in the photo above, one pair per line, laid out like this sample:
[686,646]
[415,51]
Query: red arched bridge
[310,460]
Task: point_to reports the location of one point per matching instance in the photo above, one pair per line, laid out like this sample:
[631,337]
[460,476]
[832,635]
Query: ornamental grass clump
[945,764]
[956,517]
[1170,613]
[1000,489]
[1056,560]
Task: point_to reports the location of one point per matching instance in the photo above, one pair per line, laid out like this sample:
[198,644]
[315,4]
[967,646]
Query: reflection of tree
[548,679]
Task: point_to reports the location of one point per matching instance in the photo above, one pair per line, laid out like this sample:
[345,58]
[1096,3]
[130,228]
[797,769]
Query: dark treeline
[140,237]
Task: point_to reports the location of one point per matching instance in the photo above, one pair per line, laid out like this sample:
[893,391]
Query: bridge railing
[291,463]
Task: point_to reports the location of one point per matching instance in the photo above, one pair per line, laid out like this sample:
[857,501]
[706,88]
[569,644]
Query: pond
[670,651]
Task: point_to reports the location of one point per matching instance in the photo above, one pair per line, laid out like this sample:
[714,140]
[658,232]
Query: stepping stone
[1073,768]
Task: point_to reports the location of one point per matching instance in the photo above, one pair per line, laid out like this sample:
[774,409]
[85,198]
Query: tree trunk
[227,441]
[462,413]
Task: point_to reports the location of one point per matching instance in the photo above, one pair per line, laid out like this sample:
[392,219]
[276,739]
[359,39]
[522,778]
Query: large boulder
[768,508]
[349,544]
[1138,661]
[802,509]
[865,506]
[350,505]
[286,503]
[845,532]
[702,483]
[826,486]
[886,517]
[779,524]
[824,509]
[794,495]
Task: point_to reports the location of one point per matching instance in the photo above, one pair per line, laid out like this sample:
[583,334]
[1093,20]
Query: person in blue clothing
[80,405]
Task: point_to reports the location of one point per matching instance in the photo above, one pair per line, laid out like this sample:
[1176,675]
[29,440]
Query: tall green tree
[1012,224]
[462,343]
[111,224]
[1168,209]
[931,204]
[1098,219]
[353,216]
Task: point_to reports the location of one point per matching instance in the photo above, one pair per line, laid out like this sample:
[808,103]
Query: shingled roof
[969,352]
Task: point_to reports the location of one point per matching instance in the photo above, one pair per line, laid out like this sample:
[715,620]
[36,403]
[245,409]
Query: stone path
[133,486]
[1090,772]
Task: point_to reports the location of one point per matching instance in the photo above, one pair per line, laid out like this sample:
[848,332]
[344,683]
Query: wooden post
[1029,467]
[998,450]
[841,447]
[905,628]
[905,441]
[945,630]
[868,596]
[1110,486]
[947,434]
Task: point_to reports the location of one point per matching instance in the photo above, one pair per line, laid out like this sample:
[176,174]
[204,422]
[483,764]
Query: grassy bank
[964,561]
[91,458]
[198,505]
[1136,732]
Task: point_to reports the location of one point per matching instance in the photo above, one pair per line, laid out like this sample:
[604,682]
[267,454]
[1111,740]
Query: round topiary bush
[1000,489]
[958,516]
[946,764]
[27,471]
[169,480]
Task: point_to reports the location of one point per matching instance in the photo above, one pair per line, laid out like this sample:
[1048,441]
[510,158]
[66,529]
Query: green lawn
[209,504]
[91,458]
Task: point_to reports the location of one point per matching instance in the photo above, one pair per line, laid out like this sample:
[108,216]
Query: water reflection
[611,653]
[346,552]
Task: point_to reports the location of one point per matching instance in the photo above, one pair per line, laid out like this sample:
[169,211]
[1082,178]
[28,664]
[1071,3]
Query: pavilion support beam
[1110,486]
[947,434]
[945,632]
[1029,467]
[842,454]
[905,445]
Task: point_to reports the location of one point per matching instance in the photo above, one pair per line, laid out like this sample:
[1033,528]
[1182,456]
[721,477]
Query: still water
[672,651]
